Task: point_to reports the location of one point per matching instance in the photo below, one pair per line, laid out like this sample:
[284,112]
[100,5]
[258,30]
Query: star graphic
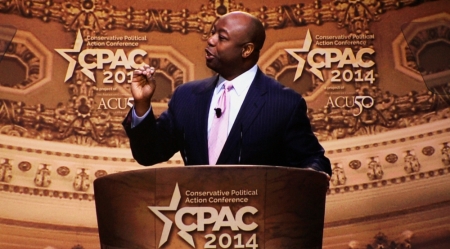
[176,197]
[72,63]
[76,49]
[301,62]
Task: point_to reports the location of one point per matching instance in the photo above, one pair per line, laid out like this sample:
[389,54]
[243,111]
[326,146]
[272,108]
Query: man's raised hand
[142,88]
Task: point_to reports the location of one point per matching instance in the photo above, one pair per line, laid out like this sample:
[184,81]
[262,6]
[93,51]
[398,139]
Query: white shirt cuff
[135,119]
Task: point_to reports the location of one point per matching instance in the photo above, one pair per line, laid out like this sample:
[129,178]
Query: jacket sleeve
[302,147]
[153,140]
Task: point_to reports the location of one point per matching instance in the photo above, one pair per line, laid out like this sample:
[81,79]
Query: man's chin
[211,66]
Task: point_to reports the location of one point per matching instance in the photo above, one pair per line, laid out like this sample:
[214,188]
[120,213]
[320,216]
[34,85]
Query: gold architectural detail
[335,190]
[42,178]
[428,150]
[45,192]
[338,177]
[340,183]
[417,36]
[63,170]
[30,53]
[355,164]
[100,173]
[389,182]
[81,182]
[24,166]
[5,171]
[445,151]
[380,240]
[357,14]
[391,158]
[62,155]
[98,16]
[375,171]
[411,162]
[82,178]
[421,33]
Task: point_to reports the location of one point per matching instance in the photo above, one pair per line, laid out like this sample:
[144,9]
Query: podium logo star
[176,197]
[301,62]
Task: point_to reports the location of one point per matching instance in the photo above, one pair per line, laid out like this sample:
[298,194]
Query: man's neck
[234,75]
[249,74]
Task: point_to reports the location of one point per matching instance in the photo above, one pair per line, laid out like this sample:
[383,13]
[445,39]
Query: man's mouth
[209,55]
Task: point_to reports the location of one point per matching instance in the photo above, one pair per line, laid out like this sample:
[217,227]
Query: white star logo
[176,197]
[301,62]
[72,63]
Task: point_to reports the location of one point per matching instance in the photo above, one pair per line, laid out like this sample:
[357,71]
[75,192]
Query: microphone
[218,112]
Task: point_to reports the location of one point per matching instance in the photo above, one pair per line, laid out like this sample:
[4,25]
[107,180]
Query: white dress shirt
[241,84]
[237,94]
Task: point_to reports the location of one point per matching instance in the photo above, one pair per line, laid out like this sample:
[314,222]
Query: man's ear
[247,49]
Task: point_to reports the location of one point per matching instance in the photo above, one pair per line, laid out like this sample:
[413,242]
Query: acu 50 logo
[103,57]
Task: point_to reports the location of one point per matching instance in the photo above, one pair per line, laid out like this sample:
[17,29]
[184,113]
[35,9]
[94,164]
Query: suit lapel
[250,108]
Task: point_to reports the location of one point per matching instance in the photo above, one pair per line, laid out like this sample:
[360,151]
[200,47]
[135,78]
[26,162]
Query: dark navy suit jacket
[271,128]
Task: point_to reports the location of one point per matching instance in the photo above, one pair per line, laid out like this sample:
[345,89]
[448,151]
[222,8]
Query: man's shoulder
[276,87]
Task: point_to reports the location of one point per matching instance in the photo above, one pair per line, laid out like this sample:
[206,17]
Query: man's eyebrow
[221,30]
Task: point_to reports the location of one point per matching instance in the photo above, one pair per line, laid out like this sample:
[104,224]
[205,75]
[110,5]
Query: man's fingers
[144,74]
[144,69]
[137,72]
[149,72]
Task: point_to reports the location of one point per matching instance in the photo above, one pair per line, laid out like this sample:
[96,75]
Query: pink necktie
[219,127]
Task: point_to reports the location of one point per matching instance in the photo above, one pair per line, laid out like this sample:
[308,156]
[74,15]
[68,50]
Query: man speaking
[239,116]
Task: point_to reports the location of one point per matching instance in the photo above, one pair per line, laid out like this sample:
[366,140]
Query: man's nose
[211,40]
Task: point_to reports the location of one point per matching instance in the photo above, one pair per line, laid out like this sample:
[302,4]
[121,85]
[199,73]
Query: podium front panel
[260,207]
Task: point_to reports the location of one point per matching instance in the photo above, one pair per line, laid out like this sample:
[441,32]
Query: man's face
[224,50]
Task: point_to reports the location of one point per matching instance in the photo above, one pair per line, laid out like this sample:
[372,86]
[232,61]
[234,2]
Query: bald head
[254,29]
[234,45]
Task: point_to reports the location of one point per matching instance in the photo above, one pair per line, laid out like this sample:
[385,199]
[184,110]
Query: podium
[264,207]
